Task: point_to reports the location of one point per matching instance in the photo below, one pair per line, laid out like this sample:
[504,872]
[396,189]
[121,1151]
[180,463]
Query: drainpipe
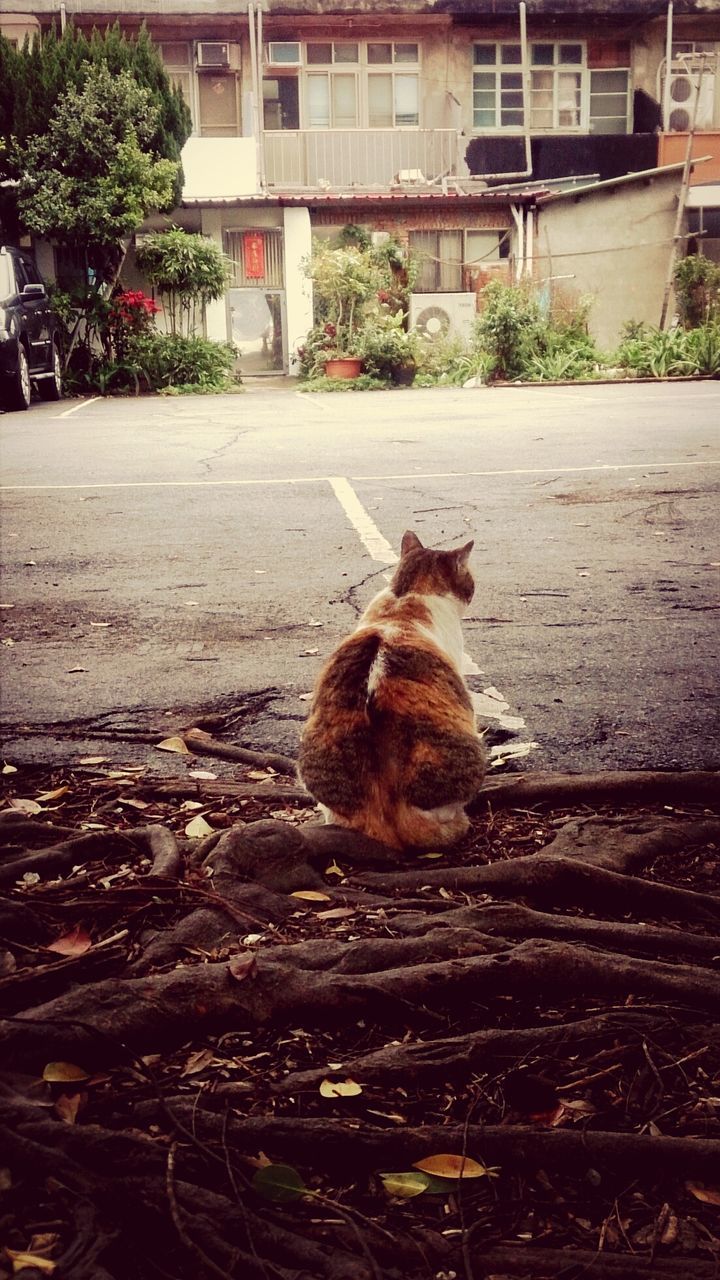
[517,214]
[258,90]
[255,103]
[668,65]
[529,242]
[63,16]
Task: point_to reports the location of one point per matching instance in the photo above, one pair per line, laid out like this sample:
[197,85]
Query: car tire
[51,388]
[18,393]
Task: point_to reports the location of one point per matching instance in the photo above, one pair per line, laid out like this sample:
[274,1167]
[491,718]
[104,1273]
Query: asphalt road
[203,552]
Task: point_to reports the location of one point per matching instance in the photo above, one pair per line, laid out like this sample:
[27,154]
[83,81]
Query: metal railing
[348,159]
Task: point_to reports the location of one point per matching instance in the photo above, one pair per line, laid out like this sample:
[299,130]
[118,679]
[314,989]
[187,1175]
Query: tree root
[202,743]
[576,1264]
[520,791]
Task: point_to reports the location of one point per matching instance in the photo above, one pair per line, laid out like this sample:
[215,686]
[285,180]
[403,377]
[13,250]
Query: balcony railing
[348,159]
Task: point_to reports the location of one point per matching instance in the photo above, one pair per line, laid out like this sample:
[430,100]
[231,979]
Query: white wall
[299,302]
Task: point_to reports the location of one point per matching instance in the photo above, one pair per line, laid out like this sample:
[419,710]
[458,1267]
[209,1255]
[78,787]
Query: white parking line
[74,409]
[369,534]
[409,475]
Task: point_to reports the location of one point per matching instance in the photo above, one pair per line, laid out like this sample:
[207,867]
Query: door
[36,314]
[256,299]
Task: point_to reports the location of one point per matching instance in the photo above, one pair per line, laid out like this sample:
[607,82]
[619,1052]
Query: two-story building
[464,129]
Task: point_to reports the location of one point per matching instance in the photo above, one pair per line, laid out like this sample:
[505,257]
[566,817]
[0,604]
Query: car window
[20,276]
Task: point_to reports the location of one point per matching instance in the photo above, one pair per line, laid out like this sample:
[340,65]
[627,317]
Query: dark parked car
[29,350]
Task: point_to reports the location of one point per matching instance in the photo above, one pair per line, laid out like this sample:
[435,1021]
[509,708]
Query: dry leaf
[337,913]
[243,965]
[197,735]
[708,1195]
[9,768]
[192,806]
[197,1061]
[73,670]
[173,744]
[204,774]
[198,827]
[22,1260]
[334,870]
[340,1088]
[100,624]
[74,943]
[259,775]
[308,653]
[53,795]
[311,895]
[403,1186]
[304,697]
[133,804]
[93,760]
[451,1166]
[64,1073]
[26,806]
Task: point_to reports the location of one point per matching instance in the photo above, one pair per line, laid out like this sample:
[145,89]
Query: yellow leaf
[311,895]
[173,744]
[340,1088]
[63,1072]
[21,1260]
[334,870]
[450,1166]
[404,1185]
[26,806]
[198,827]
[53,795]
[708,1195]
[93,760]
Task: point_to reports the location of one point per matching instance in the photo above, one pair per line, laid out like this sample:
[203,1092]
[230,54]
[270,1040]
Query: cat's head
[433,573]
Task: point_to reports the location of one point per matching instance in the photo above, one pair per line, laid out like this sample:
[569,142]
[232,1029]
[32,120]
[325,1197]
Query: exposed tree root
[320,1001]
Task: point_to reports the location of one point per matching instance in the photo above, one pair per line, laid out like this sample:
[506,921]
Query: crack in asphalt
[210,458]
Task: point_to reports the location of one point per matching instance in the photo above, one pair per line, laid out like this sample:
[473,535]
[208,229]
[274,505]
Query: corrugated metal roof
[318,199]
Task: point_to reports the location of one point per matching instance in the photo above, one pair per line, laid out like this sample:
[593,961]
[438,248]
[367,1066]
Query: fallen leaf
[26,806]
[278,1182]
[340,1088]
[198,827]
[308,653]
[93,760]
[22,1260]
[337,913]
[197,735]
[73,670]
[192,805]
[311,895]
[9,768]
[133,804]
[74,943]
[259,775]
[313,622]
[7,606]
[403,1186]
[204,774]
[30,877]
[173,744]
[304,697]
[53,795]
[334,870]
[451,1166]
[100,624]
[197,1061]
[8,963]
[427,857]
[242,965]
[708,1195]
[64,1073]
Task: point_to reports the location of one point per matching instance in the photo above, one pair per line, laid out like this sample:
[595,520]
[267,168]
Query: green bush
[697,290]
[509,328]
[170,360]
[653,353]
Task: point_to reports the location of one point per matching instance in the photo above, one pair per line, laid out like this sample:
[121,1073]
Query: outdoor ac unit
[684,91]
[442,315]
[213,54]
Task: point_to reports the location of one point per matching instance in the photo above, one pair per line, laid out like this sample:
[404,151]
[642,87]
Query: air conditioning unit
[684,91]
[213,54]
[442,315]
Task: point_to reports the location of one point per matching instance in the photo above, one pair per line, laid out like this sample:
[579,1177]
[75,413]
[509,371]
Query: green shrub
[697,290]
[703,348]
[509,328]
[654,353]
[171,360]
[364,382]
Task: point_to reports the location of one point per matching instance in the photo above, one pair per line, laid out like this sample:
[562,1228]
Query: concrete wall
[611,245]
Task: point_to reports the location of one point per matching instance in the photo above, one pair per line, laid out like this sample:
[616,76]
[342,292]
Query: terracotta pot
[343,367]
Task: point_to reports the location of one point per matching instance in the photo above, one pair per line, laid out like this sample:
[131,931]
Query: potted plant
[389,349]
[345,282]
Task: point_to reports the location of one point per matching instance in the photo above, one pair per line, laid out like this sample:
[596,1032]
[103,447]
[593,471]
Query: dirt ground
[237,1043]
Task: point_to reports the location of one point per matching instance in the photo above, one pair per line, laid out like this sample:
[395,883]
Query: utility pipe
[259,91]
[668,65]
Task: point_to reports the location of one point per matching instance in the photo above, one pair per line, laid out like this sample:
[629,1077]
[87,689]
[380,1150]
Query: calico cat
[390,747]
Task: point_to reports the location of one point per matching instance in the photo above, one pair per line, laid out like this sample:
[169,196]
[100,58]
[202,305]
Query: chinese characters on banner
[253,255]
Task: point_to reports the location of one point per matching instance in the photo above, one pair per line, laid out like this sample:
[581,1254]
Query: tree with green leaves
[187,270]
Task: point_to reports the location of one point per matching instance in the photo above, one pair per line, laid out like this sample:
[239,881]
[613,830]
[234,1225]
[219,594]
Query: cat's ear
[410,542]
[463,553]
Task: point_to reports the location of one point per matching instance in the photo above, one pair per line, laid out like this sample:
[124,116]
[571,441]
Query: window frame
[465,263]
[364,71]
[556,68]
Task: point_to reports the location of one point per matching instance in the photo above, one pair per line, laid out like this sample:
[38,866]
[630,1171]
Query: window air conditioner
[442,315]
[213,54]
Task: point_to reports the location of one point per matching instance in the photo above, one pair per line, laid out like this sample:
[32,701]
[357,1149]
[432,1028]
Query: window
[609,101]
[556,86]
[445,257]
[218,105]
[497,86]
[345,84]
[176,60]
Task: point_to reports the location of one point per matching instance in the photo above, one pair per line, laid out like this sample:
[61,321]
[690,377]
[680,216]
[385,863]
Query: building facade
[455,127]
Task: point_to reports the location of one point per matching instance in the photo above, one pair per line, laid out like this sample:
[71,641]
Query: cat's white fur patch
[446,631]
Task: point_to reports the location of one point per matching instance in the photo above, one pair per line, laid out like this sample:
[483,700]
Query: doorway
[256,299]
